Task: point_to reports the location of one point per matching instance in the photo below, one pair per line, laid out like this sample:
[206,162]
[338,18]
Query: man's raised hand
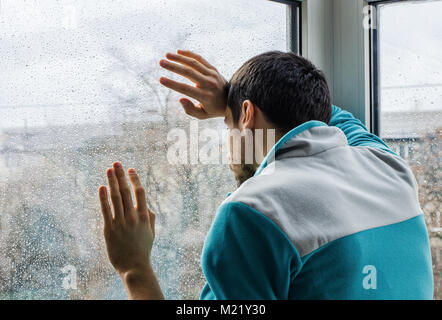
[209,89]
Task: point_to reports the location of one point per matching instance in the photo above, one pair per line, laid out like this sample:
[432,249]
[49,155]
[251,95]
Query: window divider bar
[294,25]
[374,72]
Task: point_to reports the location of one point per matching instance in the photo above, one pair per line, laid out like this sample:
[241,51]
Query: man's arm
[247,256]
[356,133]
[129,234]
[142,284]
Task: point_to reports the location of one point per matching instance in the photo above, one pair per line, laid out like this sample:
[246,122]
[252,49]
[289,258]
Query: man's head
[276,90]
[286,87]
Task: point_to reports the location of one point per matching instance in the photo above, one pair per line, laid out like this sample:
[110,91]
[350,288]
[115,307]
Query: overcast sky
[57,52]
[410,56]
[56,65]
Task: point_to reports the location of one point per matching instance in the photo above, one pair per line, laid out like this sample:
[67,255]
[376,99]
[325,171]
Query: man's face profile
[238,144]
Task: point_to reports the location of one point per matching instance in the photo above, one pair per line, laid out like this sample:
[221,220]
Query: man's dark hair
[286,87]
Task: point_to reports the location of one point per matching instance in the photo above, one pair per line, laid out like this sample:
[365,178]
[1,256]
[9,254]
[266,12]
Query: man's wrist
[141,283]
[136,273]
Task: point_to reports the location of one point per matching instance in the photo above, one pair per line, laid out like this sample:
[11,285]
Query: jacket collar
[309,138]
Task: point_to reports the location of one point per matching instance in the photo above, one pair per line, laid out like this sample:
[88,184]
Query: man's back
[322,219]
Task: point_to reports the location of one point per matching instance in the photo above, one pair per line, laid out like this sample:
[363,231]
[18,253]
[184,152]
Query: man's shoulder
[272,179]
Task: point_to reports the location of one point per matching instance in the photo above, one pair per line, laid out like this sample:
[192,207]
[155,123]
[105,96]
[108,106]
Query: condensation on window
[410,51]
[79,90]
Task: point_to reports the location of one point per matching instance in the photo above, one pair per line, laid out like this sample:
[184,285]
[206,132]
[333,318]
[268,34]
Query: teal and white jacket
[331,213]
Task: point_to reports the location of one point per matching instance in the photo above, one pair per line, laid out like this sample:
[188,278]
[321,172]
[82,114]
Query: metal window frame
[373,45]
[294,24]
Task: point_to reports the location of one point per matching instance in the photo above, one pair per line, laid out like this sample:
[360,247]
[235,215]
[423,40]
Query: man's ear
[248,115]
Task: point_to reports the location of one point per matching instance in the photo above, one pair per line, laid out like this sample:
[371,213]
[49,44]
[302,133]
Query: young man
[330,213]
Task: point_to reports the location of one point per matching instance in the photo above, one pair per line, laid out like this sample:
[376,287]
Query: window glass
[79,90]
[410,51]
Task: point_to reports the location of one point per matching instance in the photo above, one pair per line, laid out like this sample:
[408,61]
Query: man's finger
[197,57]
[105,207]
[184,71]
[195,64]
[140,194]
[152,221]
[124,189]
[117,202]
[190,91]
[192,110]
